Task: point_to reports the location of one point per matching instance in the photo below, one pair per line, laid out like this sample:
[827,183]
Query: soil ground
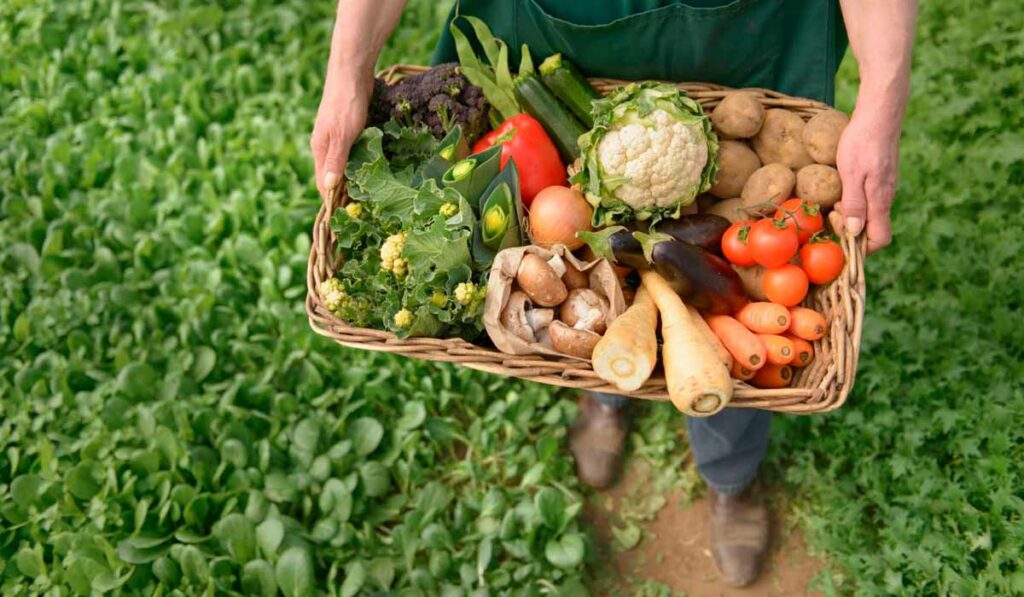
[674,550]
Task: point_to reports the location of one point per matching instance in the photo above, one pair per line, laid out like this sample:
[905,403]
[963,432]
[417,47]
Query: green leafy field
[169,423]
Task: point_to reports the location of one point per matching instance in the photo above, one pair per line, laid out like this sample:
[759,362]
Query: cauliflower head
[651,152]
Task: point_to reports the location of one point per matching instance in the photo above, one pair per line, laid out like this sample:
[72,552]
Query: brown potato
[819,184]
[767,187]
[730,209]
[780,140]
[736,163]
[751,278]
[705,201]
[821,135]
[739,116]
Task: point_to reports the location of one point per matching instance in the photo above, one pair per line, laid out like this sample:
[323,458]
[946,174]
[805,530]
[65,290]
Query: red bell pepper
[525,140]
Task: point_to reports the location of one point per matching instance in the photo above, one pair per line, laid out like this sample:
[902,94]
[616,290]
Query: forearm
[361,29]
[881,36]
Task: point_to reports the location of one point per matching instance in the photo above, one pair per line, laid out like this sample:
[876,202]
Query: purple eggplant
[702,230]
[616,244]
[700,278]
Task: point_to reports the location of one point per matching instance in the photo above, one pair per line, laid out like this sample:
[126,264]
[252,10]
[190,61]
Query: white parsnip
[698,383]
[712,339]
[628,352]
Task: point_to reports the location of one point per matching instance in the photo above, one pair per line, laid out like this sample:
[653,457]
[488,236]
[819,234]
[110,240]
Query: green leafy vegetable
[494,76]
[501,217]
[452,148]
[472,176]
[408,246]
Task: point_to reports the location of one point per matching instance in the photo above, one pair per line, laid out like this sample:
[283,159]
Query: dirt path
[674,550]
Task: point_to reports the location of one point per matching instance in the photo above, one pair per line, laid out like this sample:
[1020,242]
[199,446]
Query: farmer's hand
[868,163]
[881,34]
[339,120]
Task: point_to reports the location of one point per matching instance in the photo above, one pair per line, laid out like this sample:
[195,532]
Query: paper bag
[502,281]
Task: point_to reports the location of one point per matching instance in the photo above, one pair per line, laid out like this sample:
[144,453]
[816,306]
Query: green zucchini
[569,85]
[561,125]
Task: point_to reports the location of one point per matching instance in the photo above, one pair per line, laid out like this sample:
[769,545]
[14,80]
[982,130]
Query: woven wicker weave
[820,387]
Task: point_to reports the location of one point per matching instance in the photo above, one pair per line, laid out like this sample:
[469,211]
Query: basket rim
[836,365]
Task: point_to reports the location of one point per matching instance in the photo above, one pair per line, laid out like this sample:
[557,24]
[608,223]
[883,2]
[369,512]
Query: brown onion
[556,215]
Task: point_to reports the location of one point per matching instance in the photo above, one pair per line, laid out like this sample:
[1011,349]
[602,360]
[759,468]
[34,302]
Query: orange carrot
[780,350]
[803,351]
[807,323]
[740,372]
[764,318]
[773,376]
[741,343]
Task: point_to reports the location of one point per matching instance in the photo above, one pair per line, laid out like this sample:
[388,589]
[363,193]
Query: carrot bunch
[767,340]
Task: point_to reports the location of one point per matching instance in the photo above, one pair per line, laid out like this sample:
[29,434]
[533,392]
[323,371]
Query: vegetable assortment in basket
[459,218]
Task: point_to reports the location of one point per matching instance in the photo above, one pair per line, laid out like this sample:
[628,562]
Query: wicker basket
[820,387]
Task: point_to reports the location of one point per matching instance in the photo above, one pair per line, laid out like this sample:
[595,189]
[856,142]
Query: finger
[334,163]
[853,204]
[319,150]
[879,227]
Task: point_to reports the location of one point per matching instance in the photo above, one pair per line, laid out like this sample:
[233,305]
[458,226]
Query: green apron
[792,46]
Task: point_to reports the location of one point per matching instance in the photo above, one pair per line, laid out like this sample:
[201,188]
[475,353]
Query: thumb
[334,163]
[853,205]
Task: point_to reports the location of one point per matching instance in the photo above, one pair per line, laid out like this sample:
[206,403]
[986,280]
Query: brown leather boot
[597,440]
[739,536]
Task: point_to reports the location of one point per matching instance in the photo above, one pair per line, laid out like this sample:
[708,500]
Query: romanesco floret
[449,209]
[403,318]
[467,292]
[391,254]
[354,210]
[438,299]
[332,293]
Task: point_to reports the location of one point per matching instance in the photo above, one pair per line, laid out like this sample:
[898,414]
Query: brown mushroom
[572,342]
[574,278]
[585,309]
[540,281]
[513,317]
[539,319]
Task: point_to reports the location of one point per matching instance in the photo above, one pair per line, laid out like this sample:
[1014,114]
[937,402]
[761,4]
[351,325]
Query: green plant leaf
[294,572]
[566,552]
[238,536]
[550,505]
[375,478]
[81,481]
[269,535]
[258,578]
[366,434]
[30,562]
[355,578]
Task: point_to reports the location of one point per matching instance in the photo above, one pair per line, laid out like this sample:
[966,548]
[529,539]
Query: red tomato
[806,216]
[523,139]
[773,242]
[734,244]
[822,261]
[786,285]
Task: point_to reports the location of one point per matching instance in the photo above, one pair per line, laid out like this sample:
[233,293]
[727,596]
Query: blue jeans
[728,447]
